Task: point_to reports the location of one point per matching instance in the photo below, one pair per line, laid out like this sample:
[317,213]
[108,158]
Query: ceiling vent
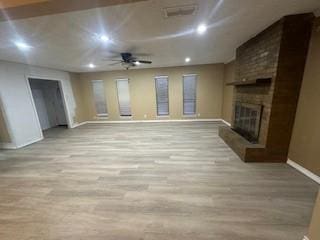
[180,11]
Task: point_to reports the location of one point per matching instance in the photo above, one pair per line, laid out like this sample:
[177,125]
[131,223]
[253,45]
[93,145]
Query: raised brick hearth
[278,53]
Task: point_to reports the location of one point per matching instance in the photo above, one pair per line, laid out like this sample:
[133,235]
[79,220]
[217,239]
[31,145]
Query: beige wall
[314,230]
[229,76]
[4,134]
[80,111]
[143,95]
[305,141]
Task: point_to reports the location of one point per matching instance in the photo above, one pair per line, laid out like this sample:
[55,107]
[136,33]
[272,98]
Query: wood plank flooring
[148,181]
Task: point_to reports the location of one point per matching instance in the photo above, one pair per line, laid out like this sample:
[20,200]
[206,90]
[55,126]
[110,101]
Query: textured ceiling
[15,3]
[69,41]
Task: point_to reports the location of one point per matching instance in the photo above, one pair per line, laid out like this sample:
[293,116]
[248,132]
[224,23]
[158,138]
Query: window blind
[189,94]
[162,95]
[99,97]
[124,97]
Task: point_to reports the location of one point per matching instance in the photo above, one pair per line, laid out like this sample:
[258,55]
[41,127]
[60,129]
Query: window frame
[102,115]
[155,82]
[195,99]
[119,108]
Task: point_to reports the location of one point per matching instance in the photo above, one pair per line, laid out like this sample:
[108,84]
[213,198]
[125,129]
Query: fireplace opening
[247,120]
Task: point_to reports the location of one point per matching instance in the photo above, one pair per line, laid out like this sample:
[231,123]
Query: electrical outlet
[199,114]
[145,116]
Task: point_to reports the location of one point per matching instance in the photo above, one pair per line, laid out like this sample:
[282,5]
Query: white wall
[23,124]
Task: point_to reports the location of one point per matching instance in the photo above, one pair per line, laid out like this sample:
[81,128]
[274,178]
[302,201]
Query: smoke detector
[179,11]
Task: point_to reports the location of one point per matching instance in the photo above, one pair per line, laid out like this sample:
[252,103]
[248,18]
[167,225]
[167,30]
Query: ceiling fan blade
[114,52]
[135,52]
[144,61]
[142,54]
[112,64]
[111,60]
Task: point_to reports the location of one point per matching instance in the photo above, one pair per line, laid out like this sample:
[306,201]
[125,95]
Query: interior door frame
[64,100]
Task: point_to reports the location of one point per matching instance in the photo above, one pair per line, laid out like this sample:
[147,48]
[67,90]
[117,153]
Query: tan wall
[4,134]
[229,76]
[143,95]
[80,112]
[305,141]
[314,230]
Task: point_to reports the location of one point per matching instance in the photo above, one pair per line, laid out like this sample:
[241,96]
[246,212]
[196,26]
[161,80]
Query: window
[189,94]
[162,96]
[99,98]
[124,97]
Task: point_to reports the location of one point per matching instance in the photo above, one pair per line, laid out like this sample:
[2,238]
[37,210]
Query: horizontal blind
[162,96]
[124,97]
[99,97]
[189,94]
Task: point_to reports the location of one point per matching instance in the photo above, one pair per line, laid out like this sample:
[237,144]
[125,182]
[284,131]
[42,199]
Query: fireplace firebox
[247,120]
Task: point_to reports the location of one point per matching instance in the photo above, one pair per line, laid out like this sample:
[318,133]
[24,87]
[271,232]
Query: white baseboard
[159,121]
[29,143]
[75,125]
[151,121]
[225,122]
[303,170]
[14,146]
[7,146]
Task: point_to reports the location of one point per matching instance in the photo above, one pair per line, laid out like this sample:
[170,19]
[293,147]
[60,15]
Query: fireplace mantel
[246,82]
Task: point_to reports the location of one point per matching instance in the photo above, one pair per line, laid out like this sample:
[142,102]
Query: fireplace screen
[247,120]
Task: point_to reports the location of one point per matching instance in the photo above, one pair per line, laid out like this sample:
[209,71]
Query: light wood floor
[149,181]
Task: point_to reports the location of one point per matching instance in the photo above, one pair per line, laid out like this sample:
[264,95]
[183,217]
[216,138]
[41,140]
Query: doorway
[48,100]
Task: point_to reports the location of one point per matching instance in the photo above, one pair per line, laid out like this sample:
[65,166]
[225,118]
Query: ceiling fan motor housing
[127,57]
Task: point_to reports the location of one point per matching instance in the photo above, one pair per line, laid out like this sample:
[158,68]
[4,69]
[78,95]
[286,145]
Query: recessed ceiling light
[201,29]
[187,60]
[22,45]
[91,65]
[104,38]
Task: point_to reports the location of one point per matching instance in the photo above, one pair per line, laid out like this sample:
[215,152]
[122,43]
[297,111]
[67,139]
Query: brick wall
[279,52]
[258,58]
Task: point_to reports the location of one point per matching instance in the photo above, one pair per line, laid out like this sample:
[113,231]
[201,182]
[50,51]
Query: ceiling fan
[128,60]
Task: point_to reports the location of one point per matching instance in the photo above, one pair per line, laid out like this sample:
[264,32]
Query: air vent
[179,11]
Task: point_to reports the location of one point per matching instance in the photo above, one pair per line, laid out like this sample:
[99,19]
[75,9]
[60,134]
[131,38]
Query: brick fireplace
[269,72]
